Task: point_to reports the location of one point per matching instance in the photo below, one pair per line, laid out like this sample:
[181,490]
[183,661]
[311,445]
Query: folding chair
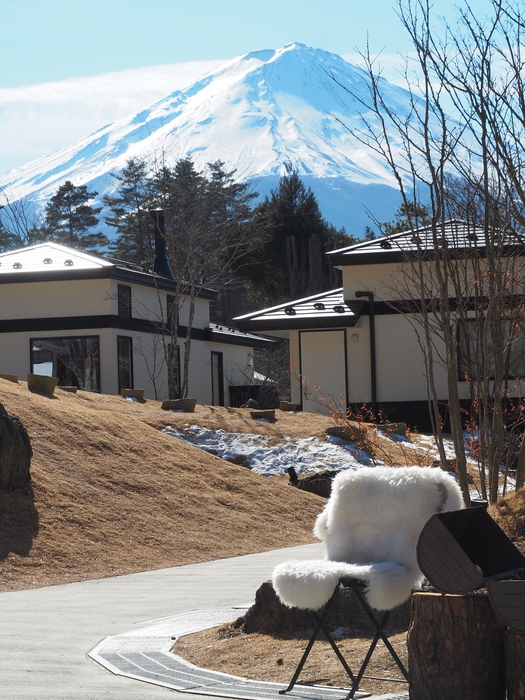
[370,527]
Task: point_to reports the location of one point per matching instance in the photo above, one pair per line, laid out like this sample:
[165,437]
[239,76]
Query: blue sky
[49,40]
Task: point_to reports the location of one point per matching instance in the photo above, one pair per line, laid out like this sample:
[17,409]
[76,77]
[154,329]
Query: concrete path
[46,633]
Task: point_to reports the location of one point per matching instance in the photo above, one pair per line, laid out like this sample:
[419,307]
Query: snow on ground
[272,457]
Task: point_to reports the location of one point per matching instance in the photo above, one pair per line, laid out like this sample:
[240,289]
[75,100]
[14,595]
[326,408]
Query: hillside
[110,494]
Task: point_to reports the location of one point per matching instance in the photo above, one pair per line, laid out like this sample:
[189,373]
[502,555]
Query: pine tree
[69,217]
[129,207]
[294,262]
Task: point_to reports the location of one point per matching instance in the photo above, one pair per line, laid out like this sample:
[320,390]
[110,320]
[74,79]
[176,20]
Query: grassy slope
[110,494]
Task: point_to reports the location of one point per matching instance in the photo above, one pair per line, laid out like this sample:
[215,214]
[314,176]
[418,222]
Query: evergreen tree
[69,217]
[129,207]
[294,262]
[410,215]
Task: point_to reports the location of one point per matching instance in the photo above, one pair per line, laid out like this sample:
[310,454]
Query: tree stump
[455,648]
[515,665]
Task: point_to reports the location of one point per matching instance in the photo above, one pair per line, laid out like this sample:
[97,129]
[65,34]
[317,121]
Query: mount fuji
[257,113]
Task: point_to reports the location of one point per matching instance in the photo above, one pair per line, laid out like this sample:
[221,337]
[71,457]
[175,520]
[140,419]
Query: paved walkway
[46,633]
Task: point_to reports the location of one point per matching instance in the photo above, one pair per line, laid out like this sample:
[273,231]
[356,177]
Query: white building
[357,345]
[96,323]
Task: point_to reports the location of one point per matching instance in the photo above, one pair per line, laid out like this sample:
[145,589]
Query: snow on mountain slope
[255,113]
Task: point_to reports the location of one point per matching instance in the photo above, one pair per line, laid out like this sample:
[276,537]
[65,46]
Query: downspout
[373,372]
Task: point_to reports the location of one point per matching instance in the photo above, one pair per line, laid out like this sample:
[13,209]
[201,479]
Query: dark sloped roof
[455,235]
[326,310]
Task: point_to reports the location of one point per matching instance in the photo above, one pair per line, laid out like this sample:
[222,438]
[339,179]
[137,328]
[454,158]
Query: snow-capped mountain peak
[256,113]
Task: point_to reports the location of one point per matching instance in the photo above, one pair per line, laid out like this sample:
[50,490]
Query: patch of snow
[269,457]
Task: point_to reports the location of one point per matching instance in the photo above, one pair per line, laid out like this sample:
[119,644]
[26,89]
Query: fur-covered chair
[370,527]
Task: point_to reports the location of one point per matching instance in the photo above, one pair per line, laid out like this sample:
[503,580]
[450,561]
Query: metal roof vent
[386,245]
[68,262]
[339,309]
[319,306]
[289,311]
[47,261]
[17,266]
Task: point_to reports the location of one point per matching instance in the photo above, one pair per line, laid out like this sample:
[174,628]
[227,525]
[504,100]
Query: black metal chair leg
[380,628]
[320,625]
[364,665]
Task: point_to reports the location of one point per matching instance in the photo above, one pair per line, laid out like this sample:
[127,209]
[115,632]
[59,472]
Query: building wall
[43,300]
[50,299]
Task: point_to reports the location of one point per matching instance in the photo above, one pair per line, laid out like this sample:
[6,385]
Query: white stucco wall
[62,298]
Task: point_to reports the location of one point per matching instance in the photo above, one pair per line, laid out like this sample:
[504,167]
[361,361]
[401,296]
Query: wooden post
[455,648]
[515,665]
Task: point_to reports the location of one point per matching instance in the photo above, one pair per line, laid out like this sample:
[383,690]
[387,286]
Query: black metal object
[378,625]
[161,265]
[373,370]
[463,550]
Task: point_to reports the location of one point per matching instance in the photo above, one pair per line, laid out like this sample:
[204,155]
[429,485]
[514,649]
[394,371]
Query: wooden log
[515,665]
[455,648]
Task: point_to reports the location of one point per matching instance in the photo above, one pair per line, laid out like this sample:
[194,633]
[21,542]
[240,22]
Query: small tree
[69,216]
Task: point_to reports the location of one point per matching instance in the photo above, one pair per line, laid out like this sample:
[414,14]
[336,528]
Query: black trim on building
[69,323]
[145,279]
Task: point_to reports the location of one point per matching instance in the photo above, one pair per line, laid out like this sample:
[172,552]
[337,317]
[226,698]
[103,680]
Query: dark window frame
[120,379]
[124,302]
[220,367]
[59,366]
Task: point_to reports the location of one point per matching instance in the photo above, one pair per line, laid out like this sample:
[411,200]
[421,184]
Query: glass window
[75,361]
[217,379]
[124,303]
[125,362]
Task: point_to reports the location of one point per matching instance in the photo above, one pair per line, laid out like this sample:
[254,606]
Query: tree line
[257,253]
[217,234]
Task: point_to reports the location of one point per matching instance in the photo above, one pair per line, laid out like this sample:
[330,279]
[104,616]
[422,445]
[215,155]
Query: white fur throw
[370,527]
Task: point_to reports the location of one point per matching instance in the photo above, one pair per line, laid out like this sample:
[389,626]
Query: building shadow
[19,522]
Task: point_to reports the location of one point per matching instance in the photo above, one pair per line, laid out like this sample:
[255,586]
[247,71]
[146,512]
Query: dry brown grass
[275,658]
[110,494]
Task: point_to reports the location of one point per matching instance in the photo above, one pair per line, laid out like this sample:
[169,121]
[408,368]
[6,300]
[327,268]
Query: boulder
[15,452]
[267,413]
[288,406]
[42,384]
[133,393]
[10,377]
[268,615]
[185,405]
[349,432]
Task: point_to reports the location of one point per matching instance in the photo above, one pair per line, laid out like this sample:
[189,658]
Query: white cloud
[36,120]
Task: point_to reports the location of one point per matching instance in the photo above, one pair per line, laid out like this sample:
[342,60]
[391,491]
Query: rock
[10,377]
[15,452]
[351,433]
[320,483]
[186,405]
[42,384]
[251,403]
[287,406]
[268,413]
[134,393]
[268,615]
